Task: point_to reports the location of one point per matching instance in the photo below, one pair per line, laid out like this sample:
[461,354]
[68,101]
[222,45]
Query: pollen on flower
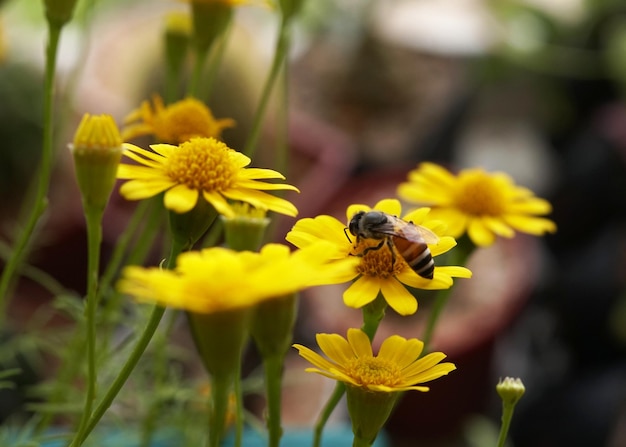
[377,262]
[479,194]
[202,164]
[374,371]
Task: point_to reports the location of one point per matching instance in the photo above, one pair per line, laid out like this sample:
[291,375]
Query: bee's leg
[391,250]
[376,247]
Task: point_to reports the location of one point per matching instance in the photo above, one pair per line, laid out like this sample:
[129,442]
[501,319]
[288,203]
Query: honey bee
[408,239]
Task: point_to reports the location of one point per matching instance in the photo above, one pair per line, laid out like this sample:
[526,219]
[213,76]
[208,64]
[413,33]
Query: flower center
[373,371]
[479,194]
[377,262]
[202,164]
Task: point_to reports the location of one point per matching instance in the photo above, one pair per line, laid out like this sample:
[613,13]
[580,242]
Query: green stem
[433,317]
[280,54]
[196,74]
[94,239]
[282,135]
[127,369]
[160,375]
[220,392]
[332,402]
[507,416]
[36,275]
[273,382]
[131,362]
[136,257]
[373,314]
[123,242]
[359,442]
[215,63]
[457,256]
[43,177]
[239,416]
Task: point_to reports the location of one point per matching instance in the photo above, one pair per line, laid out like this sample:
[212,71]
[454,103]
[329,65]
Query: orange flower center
[377,262]
[203,164]
[479,194]
[373,371]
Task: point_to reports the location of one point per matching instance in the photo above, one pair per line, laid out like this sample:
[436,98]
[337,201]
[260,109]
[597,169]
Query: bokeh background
[533,88]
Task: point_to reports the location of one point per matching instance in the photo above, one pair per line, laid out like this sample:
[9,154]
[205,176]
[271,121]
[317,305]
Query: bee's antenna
[345,231]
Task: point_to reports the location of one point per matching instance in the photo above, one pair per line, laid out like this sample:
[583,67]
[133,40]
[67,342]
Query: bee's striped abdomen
[417,255]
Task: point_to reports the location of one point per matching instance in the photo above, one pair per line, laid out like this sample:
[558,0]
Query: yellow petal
[479,233]
[180,199]
[389,206]
[141,189]
[536,226]
[398,297]
[401,351]
[219,203]
[353,209]
[360,343]
[335,347]
[363,291]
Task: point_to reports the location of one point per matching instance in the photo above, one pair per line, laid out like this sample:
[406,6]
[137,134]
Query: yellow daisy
[220,280]
[484,205]
[397,367]
[175,123]
[377,271]
[200,166]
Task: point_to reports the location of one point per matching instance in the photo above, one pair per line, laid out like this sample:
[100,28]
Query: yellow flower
[484,205]
[397,367]
[200,166]
[176,123]
[217,279]
[377,270]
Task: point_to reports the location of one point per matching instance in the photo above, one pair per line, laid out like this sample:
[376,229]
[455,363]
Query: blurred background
[531,88]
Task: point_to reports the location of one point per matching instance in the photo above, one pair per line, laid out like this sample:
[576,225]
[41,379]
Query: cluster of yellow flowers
[247,289]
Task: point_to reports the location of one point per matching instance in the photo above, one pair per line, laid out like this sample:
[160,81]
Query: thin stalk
[215,63]
[122,243]
[94,239]
[458,256]
[122,377]
[35,274]
[136,257]
[441,299]
[280,54]
[373,314]
[507,416]
[359,442]
[43,176]
[196,74]
[239,416]
[220,393]
[273,382]
[160,376]
[131,362]
[282,134]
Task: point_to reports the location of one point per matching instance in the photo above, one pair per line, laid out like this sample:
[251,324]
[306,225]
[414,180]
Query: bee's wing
[428,236]
[417,233]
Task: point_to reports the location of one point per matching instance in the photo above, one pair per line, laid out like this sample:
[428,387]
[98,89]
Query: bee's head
[354,224]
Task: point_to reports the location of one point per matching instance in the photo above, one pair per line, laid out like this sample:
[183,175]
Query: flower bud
[59,12]
[177,35]
[97,150]
[246,230]
[510,390]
